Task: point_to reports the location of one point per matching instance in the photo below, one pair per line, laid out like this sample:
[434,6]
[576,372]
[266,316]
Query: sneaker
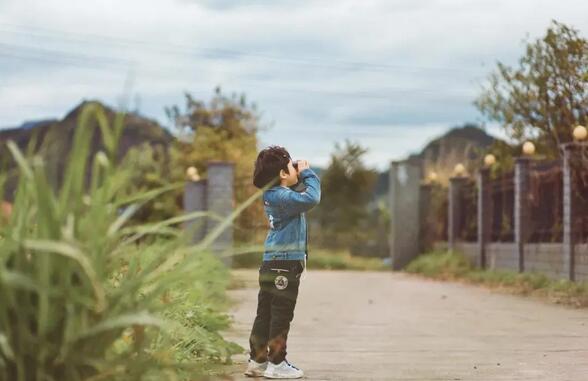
[282,370]
[255,369]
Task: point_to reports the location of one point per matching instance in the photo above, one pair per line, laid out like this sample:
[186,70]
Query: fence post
[195,201]
[569,201]
[424,207]
[455,210]
[484,214]
[220,201]
[521,205]
[405,179]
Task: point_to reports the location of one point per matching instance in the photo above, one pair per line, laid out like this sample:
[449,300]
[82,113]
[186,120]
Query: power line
[215,53]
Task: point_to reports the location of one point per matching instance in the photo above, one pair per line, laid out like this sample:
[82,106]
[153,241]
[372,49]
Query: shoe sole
[277,377]
[253,374]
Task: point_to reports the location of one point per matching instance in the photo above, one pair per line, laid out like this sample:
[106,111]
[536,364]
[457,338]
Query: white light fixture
[192,174]
[580,133]
[459,170]
[529,148]
[489,160]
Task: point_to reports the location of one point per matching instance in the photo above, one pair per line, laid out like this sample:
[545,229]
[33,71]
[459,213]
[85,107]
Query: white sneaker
[255,369]
[282,370]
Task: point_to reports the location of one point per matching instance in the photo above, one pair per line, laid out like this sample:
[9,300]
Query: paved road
[391,326]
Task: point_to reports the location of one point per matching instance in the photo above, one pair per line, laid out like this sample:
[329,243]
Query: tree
[347,188]
[547,95]
[224,129]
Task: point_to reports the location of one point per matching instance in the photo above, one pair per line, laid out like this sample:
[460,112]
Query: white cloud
[373,70]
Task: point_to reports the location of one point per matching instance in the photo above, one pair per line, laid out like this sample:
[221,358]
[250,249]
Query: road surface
[392,326]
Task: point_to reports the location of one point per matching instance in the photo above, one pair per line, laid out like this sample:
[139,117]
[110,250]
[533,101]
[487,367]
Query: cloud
[390,73]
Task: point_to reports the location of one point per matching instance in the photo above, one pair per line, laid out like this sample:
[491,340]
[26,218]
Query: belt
[296,256]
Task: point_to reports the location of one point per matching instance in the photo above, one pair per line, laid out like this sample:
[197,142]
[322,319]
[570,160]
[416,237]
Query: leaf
[121,322]
[77,255]
[20,160]
[5,347]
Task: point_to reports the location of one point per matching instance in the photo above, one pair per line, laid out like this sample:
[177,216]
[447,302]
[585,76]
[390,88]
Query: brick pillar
[455,210]
[521,208]
[195,201]
[405,179]
[569,199]
[484,214]
[219,201]
[424,206]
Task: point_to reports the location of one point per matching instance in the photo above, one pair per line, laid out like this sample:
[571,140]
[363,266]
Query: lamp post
[580,133]
[192,174]
[489,160]
[459,170]
[529,148]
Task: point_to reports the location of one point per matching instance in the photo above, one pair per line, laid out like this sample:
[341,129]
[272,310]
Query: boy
[284,258]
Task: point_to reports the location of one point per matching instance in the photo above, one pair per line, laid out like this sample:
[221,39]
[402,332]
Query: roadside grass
[447,265]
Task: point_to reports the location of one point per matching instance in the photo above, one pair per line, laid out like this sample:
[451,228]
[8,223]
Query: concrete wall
[469,249]
[502,256]
[581,262]
[546,258]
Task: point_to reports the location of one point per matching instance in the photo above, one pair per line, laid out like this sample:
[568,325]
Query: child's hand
[302,165]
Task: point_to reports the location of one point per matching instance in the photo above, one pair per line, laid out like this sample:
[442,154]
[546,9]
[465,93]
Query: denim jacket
[287,237]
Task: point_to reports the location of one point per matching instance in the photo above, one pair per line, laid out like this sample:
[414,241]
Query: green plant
[84,295]
[448,265]
[440,264]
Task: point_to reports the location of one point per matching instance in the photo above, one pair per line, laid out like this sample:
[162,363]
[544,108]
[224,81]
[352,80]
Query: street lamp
[192,174]
[489,160]
[529,148]
[580,133]
[459,170]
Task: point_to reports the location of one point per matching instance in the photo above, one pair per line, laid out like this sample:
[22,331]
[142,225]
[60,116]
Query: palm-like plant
[79,292]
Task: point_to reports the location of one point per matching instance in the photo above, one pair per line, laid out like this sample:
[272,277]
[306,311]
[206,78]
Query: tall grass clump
[447,265]
[86,296]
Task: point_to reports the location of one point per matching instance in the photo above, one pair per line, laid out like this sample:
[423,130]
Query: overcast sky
[389,74]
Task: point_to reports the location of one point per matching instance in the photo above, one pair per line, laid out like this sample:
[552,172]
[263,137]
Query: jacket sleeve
[295,202]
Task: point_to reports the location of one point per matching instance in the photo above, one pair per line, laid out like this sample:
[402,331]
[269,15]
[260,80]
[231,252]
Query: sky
[388,74]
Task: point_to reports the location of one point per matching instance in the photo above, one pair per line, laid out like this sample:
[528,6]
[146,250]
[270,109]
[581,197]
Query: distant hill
[57,136]
[466,145]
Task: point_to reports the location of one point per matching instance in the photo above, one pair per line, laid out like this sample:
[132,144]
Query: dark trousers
[278,291]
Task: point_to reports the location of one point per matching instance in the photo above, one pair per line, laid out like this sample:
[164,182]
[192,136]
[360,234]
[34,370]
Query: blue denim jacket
[287,237]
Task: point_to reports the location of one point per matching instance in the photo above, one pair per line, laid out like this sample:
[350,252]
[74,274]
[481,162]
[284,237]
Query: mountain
[466,144]
[54,138]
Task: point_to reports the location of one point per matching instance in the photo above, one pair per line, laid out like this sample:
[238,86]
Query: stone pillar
[426,242]
[454,213]
[521,208]
[569,200]
[195,201]
[405,179]
[484,214]
[220,201]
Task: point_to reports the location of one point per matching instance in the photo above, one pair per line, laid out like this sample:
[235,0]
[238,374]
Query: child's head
[273,163]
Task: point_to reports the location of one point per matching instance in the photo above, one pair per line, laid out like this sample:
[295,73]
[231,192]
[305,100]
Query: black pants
[278,291]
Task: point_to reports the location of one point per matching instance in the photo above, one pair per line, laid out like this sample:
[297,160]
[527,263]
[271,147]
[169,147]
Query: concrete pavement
[393,326]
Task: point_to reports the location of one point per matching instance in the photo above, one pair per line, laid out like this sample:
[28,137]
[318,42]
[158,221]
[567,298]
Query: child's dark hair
[268,165]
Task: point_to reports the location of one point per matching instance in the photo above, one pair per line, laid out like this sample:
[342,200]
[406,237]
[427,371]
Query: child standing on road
[284,258]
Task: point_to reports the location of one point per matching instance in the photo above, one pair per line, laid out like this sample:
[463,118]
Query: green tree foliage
[347,188]
[546,95]
[153,167]
[223,129]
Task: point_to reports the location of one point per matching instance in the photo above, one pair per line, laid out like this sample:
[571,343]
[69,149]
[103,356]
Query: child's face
[291,178]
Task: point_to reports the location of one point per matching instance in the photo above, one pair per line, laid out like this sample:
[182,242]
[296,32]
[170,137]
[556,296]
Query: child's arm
[295,202]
